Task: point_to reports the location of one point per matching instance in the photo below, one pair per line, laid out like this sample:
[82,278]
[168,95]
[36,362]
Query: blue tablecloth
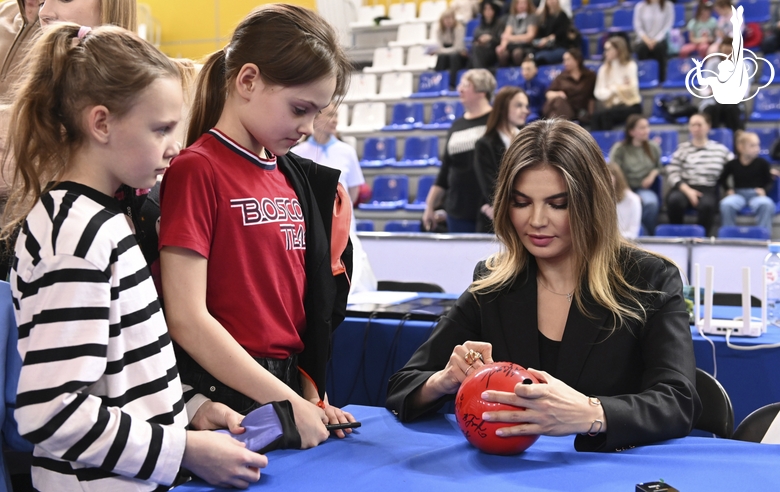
[432,455]
[366,353]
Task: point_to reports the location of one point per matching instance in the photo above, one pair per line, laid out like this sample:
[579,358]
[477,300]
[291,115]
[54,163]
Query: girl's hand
[552,408]
[338,416]
[213,415]
[221,460]
[448,380]
[760,192]
[310,420]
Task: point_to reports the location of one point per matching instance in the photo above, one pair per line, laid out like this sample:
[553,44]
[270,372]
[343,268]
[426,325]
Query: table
[367,352]
[432,455]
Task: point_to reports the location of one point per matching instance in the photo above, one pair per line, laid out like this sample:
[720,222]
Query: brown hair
[576,53]
[624,54]
[701,7]
[596,240]
[660,3]
[497,118]
[530,9]
[704,115]
[449,12]
[740,136]
[110,66]
[620,185]
[290,45]
[631,123]
[122,13]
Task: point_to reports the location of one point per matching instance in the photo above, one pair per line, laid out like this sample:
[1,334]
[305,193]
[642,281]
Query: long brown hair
[122,13]
[290,45]
[631,123]
[497,118]
[110,66]
[596,240]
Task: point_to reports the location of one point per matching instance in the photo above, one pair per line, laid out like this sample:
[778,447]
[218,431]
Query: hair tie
[83,30]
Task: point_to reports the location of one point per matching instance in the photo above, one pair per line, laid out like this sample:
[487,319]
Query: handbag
[674,107]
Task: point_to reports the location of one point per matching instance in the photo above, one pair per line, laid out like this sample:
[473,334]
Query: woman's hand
[221,460]
[692,195]
[213,415]
[649,179]
[552,408]
[448,380]
[310,420]
[428,219]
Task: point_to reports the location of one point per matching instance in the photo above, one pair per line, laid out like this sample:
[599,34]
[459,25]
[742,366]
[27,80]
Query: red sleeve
[188,204]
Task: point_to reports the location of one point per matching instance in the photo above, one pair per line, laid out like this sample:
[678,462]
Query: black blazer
[643,373]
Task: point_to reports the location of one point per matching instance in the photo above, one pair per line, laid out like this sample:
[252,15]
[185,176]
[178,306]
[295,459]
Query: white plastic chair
[343,114]
[417,59]
[386,60]
[367,117]
[400,13]
[362,87]
[396,85]
[411,34]
[430,11]
[367,14]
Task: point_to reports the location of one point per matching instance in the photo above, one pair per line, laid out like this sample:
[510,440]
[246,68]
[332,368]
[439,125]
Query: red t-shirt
[240,212]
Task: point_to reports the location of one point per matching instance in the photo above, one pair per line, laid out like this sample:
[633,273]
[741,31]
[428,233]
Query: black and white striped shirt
[99,393]
[697,166]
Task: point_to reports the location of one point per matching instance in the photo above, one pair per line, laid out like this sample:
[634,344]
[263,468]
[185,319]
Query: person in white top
[629,205]
[617,86]
[323,147]
[653,19]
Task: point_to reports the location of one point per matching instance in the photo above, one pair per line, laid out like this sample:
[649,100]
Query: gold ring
[472,356]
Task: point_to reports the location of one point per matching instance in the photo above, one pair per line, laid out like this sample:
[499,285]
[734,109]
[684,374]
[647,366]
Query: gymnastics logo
[731,83]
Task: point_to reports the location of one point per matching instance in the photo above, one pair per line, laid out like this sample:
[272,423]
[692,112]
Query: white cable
[714,359]
[748,347]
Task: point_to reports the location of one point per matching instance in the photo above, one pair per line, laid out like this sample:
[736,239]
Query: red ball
[469,406]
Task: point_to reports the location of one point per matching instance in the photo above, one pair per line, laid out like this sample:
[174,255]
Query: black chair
[717,414]
[408,286]
[755,425]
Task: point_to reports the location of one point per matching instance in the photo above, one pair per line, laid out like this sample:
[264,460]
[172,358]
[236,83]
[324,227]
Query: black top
[495,30]
[457,176]
[548,354]
[754,175]
[558,25]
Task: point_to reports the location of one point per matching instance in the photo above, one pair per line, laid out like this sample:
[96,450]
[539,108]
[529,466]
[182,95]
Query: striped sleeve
[64,333]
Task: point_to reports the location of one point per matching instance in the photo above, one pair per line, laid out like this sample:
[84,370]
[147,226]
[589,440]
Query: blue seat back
[589,21]
[402,226]
[472,26]
[667,140]
[756,10]
[379,149]
[423,187]
[444,111]
[648,74]
[365,225]
[390,188]
[622,20]
[548,73]
[607,139]
[679,15]
[774,59]
[767,101]
[766,137]
[676,71]
[407,114]
[744,232]
[433,82]
[601,4]
[509,76]
[724,136]
[680,230]
[419,148]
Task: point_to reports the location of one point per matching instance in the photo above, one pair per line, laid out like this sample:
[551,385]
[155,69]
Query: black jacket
[643,373]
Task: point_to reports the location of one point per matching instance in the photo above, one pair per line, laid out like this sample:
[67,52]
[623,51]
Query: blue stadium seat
[679,230]
[547,73]
[365,225]
[423,187]
[774,59]
[406,116]
[576,5]
[403,226]
[443,113]
[766,137]
[657,116]
[433,84]
[509,76]
[766,106]
[607,139]
[648,74]
[378,152]
[756,11]
[724,136]
[676,71]
[389,192]
[589,21]
[679,16]
[744,232]
[601,4]
[471,26]
[622,20]
[420,152]
[667,140]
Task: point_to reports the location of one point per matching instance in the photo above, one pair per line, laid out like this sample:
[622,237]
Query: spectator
[726,115]
[565,6]
[771,41]
[570,95]
[533,87]
[725,27]
[629,205]
[752,181]
[701,31]
[465,10]
[693,174]
[487,35]
[639,159]
[552,38]
[519,33]
[509,113]
[456,176]
[653,19]
[450,51]
[617,86]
